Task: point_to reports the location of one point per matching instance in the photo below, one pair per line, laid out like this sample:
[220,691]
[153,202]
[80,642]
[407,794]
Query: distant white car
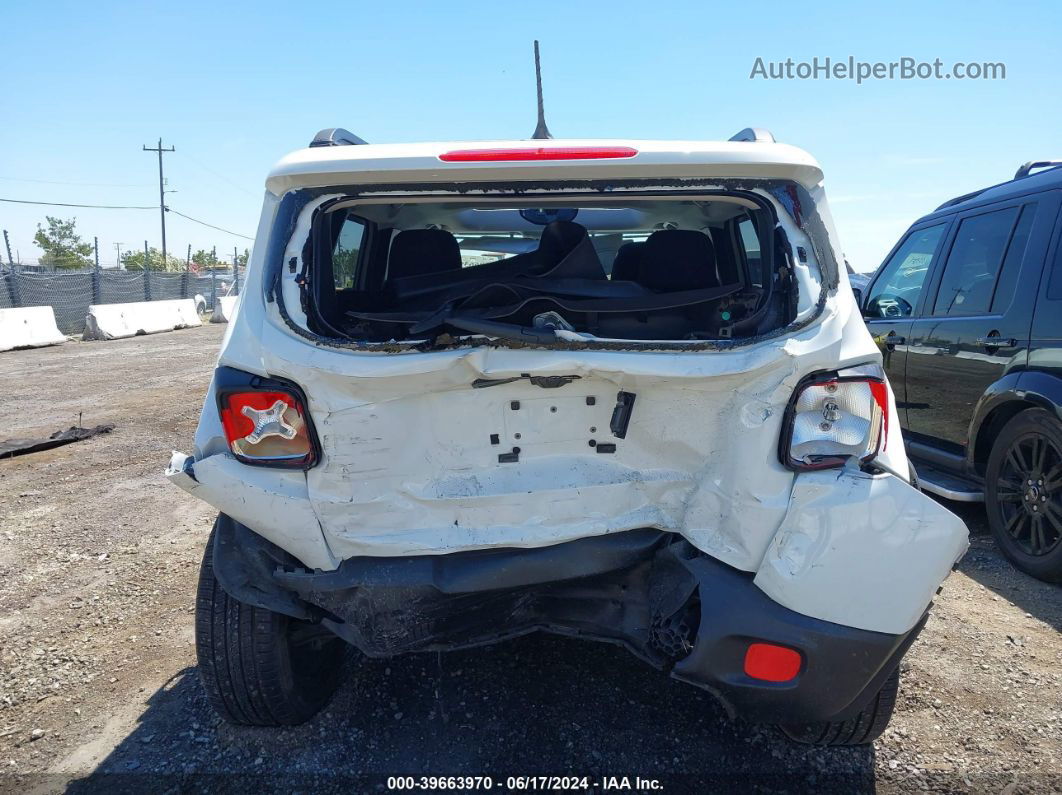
[224,289]
[612,389]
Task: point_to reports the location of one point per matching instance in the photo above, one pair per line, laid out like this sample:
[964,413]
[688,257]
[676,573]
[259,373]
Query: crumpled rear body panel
[410,468]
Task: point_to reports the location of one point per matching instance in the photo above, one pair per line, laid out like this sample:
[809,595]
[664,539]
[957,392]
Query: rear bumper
[649,590]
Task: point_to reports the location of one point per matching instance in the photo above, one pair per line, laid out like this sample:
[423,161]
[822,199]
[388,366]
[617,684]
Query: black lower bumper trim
[648,590]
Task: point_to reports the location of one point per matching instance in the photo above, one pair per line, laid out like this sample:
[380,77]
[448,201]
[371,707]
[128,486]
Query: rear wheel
[261,668]
[863,729]
[1023,493]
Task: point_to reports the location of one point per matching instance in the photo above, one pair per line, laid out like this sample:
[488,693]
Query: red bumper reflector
[772,663]
[537,153]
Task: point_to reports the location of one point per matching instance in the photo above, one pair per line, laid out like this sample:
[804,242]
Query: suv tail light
[267,427]
[834,416]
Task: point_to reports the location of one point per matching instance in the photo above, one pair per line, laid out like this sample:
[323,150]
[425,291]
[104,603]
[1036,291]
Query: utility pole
[96,271]
[162,194]
[147,273]
[118,249]
[235,270]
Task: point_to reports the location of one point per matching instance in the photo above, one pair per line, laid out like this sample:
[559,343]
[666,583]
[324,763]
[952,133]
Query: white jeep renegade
[613,389]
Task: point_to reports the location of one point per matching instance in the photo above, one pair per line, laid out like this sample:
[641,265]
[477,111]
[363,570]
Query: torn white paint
[115,321]
[28,327]
[861,551]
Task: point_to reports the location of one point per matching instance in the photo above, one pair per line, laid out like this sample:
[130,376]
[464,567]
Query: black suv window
[1008,276]
[976,261]
[895,292]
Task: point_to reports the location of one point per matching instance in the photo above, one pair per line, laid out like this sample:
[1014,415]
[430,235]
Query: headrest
[627,262]
[678,259]
[559,238]
[416,252]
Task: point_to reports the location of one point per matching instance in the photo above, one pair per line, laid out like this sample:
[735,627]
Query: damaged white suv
[618,390]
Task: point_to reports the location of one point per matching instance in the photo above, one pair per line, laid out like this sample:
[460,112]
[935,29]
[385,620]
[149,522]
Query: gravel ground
[99,689]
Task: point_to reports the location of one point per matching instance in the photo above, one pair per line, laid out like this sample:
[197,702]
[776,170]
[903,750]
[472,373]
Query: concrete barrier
[224,308]
[28,327]
[114,321]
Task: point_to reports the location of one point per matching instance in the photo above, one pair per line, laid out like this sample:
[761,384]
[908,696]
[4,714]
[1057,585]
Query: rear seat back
[416,252]
[678,259]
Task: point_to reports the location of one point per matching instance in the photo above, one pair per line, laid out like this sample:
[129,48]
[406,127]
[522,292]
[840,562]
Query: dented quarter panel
[273,502]
[881,543]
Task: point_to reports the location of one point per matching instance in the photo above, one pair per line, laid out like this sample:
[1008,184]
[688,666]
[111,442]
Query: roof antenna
[541,131]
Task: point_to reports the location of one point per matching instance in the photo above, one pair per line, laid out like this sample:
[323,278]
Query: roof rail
[963,198]
[336,136]
[1026,169]
[754,135]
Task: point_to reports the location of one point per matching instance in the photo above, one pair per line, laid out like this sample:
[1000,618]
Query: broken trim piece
[14,447]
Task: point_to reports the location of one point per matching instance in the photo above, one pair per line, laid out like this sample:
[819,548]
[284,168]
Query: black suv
[967,310]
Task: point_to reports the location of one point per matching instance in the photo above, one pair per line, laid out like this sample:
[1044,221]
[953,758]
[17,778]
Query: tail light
[267,427]
[836,416]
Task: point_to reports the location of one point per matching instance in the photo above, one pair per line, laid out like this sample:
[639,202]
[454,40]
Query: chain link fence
[70,293]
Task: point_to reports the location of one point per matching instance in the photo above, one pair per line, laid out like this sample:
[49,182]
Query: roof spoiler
[336,136]
[756,135]
[1026,169]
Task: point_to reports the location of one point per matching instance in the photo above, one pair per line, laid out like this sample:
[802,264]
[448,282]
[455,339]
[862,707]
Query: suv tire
[261,668]
[1023,493]
[863,729]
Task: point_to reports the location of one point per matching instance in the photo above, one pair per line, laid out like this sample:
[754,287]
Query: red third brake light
[537,153]
[772,663]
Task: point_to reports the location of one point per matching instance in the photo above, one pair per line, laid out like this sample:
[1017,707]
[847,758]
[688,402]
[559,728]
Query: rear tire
[1023,493]
[261,668]
[863,729]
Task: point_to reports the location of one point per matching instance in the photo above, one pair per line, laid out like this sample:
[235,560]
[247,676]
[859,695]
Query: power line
[129,207]
[204,223]
[91,206]
[217,174]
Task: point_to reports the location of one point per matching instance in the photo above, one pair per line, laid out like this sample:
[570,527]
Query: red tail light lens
[772,663]
[537,153]
[835,416]
[268,428]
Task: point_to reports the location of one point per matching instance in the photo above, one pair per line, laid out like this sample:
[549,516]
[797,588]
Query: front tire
[863,729]
[1023,494]
[261,668]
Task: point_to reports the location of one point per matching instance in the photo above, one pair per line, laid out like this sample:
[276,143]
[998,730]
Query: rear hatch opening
[541,269]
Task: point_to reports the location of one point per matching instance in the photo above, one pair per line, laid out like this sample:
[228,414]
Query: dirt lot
[98,684]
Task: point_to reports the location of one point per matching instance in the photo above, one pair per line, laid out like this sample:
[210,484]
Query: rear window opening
[547,271]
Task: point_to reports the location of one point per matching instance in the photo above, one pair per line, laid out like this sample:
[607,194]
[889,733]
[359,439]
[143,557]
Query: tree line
[63,249]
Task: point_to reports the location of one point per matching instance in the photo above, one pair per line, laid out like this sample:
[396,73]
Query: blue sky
[236,85]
